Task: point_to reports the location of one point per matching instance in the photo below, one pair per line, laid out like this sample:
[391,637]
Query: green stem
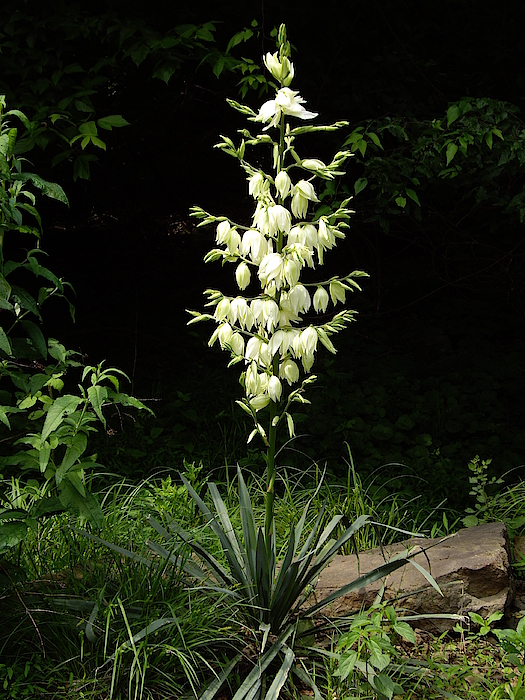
[274,410]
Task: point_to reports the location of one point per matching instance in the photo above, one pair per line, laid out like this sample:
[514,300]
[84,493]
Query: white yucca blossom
[337,292]
[253,245]
[289,370]
[241,312]
[283,184]
[286,102]
[281,69]
[265,312]
[222,309]
[258,185]
[259,402]
[279,219]
[303,192]
[237,344]
[272,268]
[275,388]
[224,334]
[261,220]
[321,299]
[299,299]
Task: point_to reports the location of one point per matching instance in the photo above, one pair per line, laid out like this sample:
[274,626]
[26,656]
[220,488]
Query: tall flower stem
[272,432]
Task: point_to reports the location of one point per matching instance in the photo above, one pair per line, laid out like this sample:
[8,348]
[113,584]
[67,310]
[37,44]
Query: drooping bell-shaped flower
[321,299]
[254,245]
[280,219]
[303,192]
[289,370]
[299,299]
[222,309]
[337,292]
[275,389]
[237,344]
[241,312]
[272,268]
[259,402]
[257,185]
[283,184]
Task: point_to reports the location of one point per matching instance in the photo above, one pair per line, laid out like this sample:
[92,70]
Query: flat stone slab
[472,569]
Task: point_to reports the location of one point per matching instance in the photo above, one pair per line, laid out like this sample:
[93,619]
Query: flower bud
[237,344]
[242,275]
[260,401]
[275,389]
[223,230]
[225,333]
[223,309]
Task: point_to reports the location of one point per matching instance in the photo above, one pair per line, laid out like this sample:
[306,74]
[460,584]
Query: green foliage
[65,64]
[367,647]
[55,426]
[480,480]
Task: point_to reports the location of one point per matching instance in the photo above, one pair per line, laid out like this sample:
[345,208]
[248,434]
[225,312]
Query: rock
[472,569]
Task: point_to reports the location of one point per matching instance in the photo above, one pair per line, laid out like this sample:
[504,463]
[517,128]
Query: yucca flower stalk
[267,333]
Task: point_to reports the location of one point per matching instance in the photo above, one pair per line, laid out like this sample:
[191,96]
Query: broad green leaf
[401,201]
[385,685]
[71,456]
[413,196]
[488,139]
[44,454]
[452,149]
[86,507]
[5,345]
[3,416]
[50,189]
[360,184]
[374,138]
[113,120]
[12,534]
[453,113]
[36,335]
[404,630]
[25,300]
[63,405]
[97,395]
[281,675]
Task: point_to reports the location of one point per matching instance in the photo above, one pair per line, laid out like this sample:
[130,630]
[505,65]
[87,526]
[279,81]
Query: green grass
[73,609]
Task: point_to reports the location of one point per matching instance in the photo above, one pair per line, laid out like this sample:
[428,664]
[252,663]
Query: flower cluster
[267,332]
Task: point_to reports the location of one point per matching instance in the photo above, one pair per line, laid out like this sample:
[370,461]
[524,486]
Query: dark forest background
[432,373]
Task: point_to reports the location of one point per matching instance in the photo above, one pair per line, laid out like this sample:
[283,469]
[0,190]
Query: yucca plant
[264,333]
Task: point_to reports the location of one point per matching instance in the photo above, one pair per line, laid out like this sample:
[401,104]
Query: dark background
[432,372]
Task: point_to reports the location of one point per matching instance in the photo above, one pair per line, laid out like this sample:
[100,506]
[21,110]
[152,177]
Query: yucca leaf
[218,570]
[249,529]
[281,675]
[311,537]
[234,544]
[123,552]
[263,577]
[236,567]
[253,679]
[214,687]
[181,562]
[305,678]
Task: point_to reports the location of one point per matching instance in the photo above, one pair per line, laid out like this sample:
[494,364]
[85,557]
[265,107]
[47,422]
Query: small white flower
[224,334]
[313,164]
[280,219]
[240,311]
[283,184]
[306,343]
[286,102]
[282,70]
[320,300]
[275,389]
[223,230]
[253,244]
[242,275]
[272,268]
[292,271]
[337,292]
[261,220]
[223,309]
[303,192]
[289,370]
[299,299]
[259,402]
[257,185]
[237,344]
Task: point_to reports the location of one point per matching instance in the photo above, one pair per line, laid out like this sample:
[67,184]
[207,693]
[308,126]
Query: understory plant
[270,335]
[45,418]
